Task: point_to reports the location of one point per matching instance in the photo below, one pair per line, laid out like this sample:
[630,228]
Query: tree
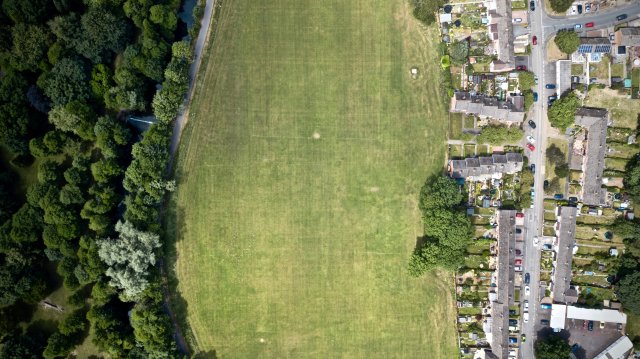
[111,136]
[555,154]
[526,80]
[30,44]
[164,16]
[67,81]
[459,51]
[58,345]
[562,113]
[74,323]
[101,80]
[561,170]
[498,135]
[439,192]
[552,347]
[424,10]
[629,292]
[137,10]
[561,5]
[129,257]
[631,178]
[103,32]
[151,326]
[76,116]
[32,11]
[14,116]
[567,41]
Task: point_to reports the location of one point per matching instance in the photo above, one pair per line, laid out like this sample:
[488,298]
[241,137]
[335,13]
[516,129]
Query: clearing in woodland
[298,178]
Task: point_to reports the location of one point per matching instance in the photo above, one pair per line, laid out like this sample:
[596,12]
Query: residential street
[544,27]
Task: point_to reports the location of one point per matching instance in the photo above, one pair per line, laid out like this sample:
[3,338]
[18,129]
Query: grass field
[298,175]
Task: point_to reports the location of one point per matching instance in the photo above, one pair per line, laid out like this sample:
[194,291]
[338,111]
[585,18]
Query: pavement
[544,27]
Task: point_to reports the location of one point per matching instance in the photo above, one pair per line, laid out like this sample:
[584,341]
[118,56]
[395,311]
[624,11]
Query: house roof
[594,120]
[503,36]
[597,315]
[564,256]
[558,316]
[628,36]
[617,350]
[511,110]
[563,76]
[505,274]
[485,166]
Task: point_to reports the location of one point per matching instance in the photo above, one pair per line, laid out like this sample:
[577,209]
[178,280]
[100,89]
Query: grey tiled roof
[566,241]
[487,106]
[629,36]
[594,120]
[503,33]
[485,166]
[505,277]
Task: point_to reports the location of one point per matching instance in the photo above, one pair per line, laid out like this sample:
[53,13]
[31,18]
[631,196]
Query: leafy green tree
[74,323]
[631,178]
[103,32]
[562,113]
[67,81]
[526,80]
[30,45]
[628,290]
[555,154]
[137,10]
[76,116]
[561,5]
[458,52]
[58,345]
[164,15]
[561,170]
[33,11]
[424,10]
[111,136]
[106,170]
[26,224]
[552,347]
[14,115]
[101,80]
[129,257]
[20,346]
[439,192]
[498,135]
[111,330]
[424,260]
[151,326]
[567,41]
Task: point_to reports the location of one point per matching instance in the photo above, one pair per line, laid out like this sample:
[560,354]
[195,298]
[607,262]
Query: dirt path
[178,126]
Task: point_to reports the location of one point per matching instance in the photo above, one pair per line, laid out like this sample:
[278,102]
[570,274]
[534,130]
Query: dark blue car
[550,86]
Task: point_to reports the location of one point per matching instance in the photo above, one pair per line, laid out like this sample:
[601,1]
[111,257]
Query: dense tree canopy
[424,10]
[567,41]
[629,292]
[526,80]
[67,81]
[562,112]
[499,135]
[30,45]
[560,6]
[552,347]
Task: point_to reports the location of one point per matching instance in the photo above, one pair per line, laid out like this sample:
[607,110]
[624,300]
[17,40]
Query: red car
[589,24]
[521,68]
[531,147]
[534,40]
[518,262]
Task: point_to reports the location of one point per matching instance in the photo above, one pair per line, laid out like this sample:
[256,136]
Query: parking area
[523,61]
[591,342]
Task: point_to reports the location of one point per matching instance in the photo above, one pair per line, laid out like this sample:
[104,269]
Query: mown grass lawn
[298,177]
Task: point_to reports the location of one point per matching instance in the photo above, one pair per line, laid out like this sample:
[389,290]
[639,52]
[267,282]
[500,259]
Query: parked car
[519,215]
[531,139]
[601,325]
[619,326]
[573,199]
[584,325]
[587,7]
[527,290]
[518,252]
[577,27]
[531,147]
[532,5]
[589,24]
[526,306]
[545,306]
[544,322]
[546,247]
[518,262]
[517,20]
[535,241]
[532,124]
[525,317]
[513,322]
[523,337]
[521,68]
[590,326]
[527,278]
[533,168]
[574,10]
[558,196]
[534,40]
[579,9]
[513,340]
[517,268]
[535,97]
[553,98]
[612,36]
[621,17]
[550,86]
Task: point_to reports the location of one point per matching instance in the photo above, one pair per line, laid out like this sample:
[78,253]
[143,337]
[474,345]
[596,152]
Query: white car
[526,306]
[525,318]
[535,241]
[531,140]
[527,290]
[578,26]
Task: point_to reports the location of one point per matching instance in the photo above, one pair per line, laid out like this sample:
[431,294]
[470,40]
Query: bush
[498,135]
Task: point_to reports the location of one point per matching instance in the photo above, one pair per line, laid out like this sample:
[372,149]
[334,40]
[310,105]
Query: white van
[525,317]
